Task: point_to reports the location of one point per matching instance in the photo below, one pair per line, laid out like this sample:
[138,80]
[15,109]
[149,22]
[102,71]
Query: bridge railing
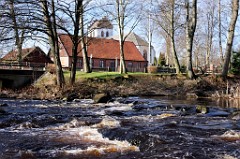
[23,66]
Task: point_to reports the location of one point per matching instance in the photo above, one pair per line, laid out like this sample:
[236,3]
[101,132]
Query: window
[102,34]
[101,64]
[139,65]
[145,54]
[107,34]
[130,64]
[79,63]
[112,64]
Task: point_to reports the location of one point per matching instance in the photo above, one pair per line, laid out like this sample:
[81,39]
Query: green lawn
[102,75]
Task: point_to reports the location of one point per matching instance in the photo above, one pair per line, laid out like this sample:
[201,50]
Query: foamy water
[149,129]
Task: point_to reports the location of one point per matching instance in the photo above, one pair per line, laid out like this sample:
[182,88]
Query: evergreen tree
[161,60]
[235,63]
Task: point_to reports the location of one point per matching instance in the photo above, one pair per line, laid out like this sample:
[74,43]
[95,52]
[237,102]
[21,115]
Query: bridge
[16,75]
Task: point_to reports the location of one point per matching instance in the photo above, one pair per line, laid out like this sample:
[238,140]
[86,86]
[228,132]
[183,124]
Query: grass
[104,75]
[82,75]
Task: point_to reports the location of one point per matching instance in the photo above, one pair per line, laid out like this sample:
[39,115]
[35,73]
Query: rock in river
[102,98]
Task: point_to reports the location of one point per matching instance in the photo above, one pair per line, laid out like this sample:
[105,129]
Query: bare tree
[125,13]
[168,20]
[14,20]
[50,23]
[19,39]
[210,31]
[73,13]
[231,30]
[220,31]
[191,23]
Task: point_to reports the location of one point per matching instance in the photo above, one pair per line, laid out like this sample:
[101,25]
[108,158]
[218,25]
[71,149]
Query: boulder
[2,111]
[4,105]
[70,97]
[102,98]
[202,109]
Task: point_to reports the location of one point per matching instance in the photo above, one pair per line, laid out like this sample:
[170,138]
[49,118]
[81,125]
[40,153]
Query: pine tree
[236,63]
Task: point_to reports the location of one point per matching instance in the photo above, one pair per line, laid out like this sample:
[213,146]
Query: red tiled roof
[104,48]
[12,55]
[34,54]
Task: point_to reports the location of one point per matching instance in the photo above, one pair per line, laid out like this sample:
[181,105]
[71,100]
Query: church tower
[101,28]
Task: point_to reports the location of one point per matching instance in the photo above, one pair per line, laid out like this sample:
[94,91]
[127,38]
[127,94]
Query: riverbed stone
[4,105]
[202,109]
[218,113]
[102,98]
[2,111]
[236,116]
[70,97]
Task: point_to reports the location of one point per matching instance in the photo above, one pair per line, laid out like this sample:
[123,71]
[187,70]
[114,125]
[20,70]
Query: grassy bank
[131,84]
[102,75]
[106,75]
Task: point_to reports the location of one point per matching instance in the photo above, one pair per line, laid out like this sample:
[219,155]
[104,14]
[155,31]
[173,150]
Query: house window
[101,64]
[107,34]
[139,65]
[79,63]
[102,34]
[145,54]
[130,64]
[112,64]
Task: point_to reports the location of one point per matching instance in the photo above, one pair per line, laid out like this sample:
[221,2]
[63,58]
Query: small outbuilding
[31,56]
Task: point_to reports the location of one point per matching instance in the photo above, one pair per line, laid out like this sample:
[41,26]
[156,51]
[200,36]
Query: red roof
[13,55]
[104,48]
[34,54]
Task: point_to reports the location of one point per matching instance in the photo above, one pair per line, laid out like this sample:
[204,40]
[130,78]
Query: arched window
[107,34]
[145,54]
[102,34]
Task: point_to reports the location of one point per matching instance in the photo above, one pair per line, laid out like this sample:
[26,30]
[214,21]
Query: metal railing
[22,66]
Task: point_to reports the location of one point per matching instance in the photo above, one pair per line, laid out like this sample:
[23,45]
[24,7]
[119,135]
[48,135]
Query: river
[133,127]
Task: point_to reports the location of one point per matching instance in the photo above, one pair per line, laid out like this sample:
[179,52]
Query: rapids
[131,127]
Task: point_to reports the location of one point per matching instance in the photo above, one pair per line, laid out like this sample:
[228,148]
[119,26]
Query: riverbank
[130,85]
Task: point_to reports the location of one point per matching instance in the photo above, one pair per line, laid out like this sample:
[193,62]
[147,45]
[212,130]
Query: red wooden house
[104,54]
[30,56]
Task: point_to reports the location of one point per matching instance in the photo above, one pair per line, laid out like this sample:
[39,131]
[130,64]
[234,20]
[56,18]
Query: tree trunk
[86,66]
[231,30]
[74,62]
[75,39]
[120,16]
[210,29]
[176,62]
[191,21]
[168,49]
[18,39]
[220,31]
[53,39]
[123,69]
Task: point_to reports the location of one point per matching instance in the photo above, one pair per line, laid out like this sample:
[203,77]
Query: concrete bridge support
[18,78]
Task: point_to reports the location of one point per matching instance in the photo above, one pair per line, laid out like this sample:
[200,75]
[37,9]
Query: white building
[142,46]
[101,28]
[104,29]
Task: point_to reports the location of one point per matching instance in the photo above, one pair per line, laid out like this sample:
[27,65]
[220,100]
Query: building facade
[103,54]
[101,28]
[104,29]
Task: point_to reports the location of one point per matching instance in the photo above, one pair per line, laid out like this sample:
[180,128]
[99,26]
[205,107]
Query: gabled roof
[104,48]
[137,40]
[13,55]
[103,23]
